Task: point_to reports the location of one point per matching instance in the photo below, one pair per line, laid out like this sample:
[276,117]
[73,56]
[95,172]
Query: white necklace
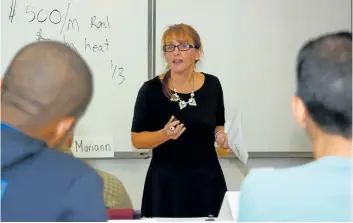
[182,104]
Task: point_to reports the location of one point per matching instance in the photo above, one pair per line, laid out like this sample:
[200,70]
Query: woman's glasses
[181,47]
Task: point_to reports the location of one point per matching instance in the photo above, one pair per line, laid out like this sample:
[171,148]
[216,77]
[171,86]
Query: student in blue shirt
[45,91]
[321,190]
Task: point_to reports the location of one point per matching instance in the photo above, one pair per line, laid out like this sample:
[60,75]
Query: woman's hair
[183,32]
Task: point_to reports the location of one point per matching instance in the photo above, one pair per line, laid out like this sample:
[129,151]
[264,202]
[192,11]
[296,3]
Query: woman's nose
[176,51]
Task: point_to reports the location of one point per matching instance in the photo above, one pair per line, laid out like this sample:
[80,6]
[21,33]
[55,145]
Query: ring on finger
[172,128]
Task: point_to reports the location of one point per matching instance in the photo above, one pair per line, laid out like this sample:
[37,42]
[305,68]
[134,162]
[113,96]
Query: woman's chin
[178,70]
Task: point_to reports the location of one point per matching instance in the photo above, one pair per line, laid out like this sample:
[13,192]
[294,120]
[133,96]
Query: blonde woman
[179,115]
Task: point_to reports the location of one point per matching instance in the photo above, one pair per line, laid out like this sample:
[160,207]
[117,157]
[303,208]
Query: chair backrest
[120,214]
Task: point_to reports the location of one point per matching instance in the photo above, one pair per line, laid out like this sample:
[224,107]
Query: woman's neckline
[197,90]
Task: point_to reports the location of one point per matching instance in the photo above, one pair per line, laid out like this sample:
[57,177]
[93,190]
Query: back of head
[46,84]
[324,82]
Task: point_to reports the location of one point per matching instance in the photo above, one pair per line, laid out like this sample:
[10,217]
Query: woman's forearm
[148,140]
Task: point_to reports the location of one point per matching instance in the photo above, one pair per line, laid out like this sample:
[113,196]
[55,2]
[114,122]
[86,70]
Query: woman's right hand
[173,129]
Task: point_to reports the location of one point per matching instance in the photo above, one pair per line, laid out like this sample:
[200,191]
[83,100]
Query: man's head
[323,103]
[45,90]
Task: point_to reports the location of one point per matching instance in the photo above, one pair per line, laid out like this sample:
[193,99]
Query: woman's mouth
[177,61]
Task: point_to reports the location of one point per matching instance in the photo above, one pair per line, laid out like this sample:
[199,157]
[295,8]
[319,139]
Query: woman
[179,115]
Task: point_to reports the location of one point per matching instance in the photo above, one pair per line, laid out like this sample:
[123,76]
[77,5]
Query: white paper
[134,221]
[196,219]
[233,128]
[230,205]
[93,147]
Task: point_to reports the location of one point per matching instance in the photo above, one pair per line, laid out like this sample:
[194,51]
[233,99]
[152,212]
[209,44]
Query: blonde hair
[185,33]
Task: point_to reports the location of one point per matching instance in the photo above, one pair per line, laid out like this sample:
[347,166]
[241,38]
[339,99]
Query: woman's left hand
[222,140]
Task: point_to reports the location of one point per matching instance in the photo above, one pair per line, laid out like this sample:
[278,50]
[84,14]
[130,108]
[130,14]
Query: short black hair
[47,78]
[324,81]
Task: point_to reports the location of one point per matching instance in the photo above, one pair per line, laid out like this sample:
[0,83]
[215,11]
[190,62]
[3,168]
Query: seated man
[45,91]
[321,190]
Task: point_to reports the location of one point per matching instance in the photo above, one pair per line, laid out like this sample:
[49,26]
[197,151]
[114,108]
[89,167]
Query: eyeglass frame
[177,46]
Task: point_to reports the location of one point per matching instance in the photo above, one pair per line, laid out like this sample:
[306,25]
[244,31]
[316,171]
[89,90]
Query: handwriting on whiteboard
[12,11]
[80,147]
[68,23]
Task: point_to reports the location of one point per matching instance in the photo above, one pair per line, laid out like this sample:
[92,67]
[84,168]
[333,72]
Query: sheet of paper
[230,206]
[233,127]
[93,147]
[134,221]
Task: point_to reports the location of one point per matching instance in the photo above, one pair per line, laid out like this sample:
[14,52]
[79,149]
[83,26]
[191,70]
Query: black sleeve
[140,119]
[220,116]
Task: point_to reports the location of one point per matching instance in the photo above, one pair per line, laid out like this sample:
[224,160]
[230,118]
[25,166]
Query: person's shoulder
[151,84]
[71,167]
[266,175]
[72,174]
[211,77]
[258,179]
[257,193]
[212,80]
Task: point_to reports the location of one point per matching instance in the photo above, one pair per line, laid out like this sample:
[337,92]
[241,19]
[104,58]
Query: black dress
[184,178]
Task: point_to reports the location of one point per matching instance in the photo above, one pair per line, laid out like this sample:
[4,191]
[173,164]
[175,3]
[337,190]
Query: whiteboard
[251,45]
[111,35]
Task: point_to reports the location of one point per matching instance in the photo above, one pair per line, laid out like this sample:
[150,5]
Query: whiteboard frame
[151,30]
[151,33]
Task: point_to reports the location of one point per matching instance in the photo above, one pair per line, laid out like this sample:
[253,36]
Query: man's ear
[62,128]
[299,111]
[65,125]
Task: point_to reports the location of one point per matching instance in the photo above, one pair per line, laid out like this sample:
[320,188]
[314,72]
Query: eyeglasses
[181,47]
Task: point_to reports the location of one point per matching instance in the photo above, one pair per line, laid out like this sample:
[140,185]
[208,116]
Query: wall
[246,42]
[132,171]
